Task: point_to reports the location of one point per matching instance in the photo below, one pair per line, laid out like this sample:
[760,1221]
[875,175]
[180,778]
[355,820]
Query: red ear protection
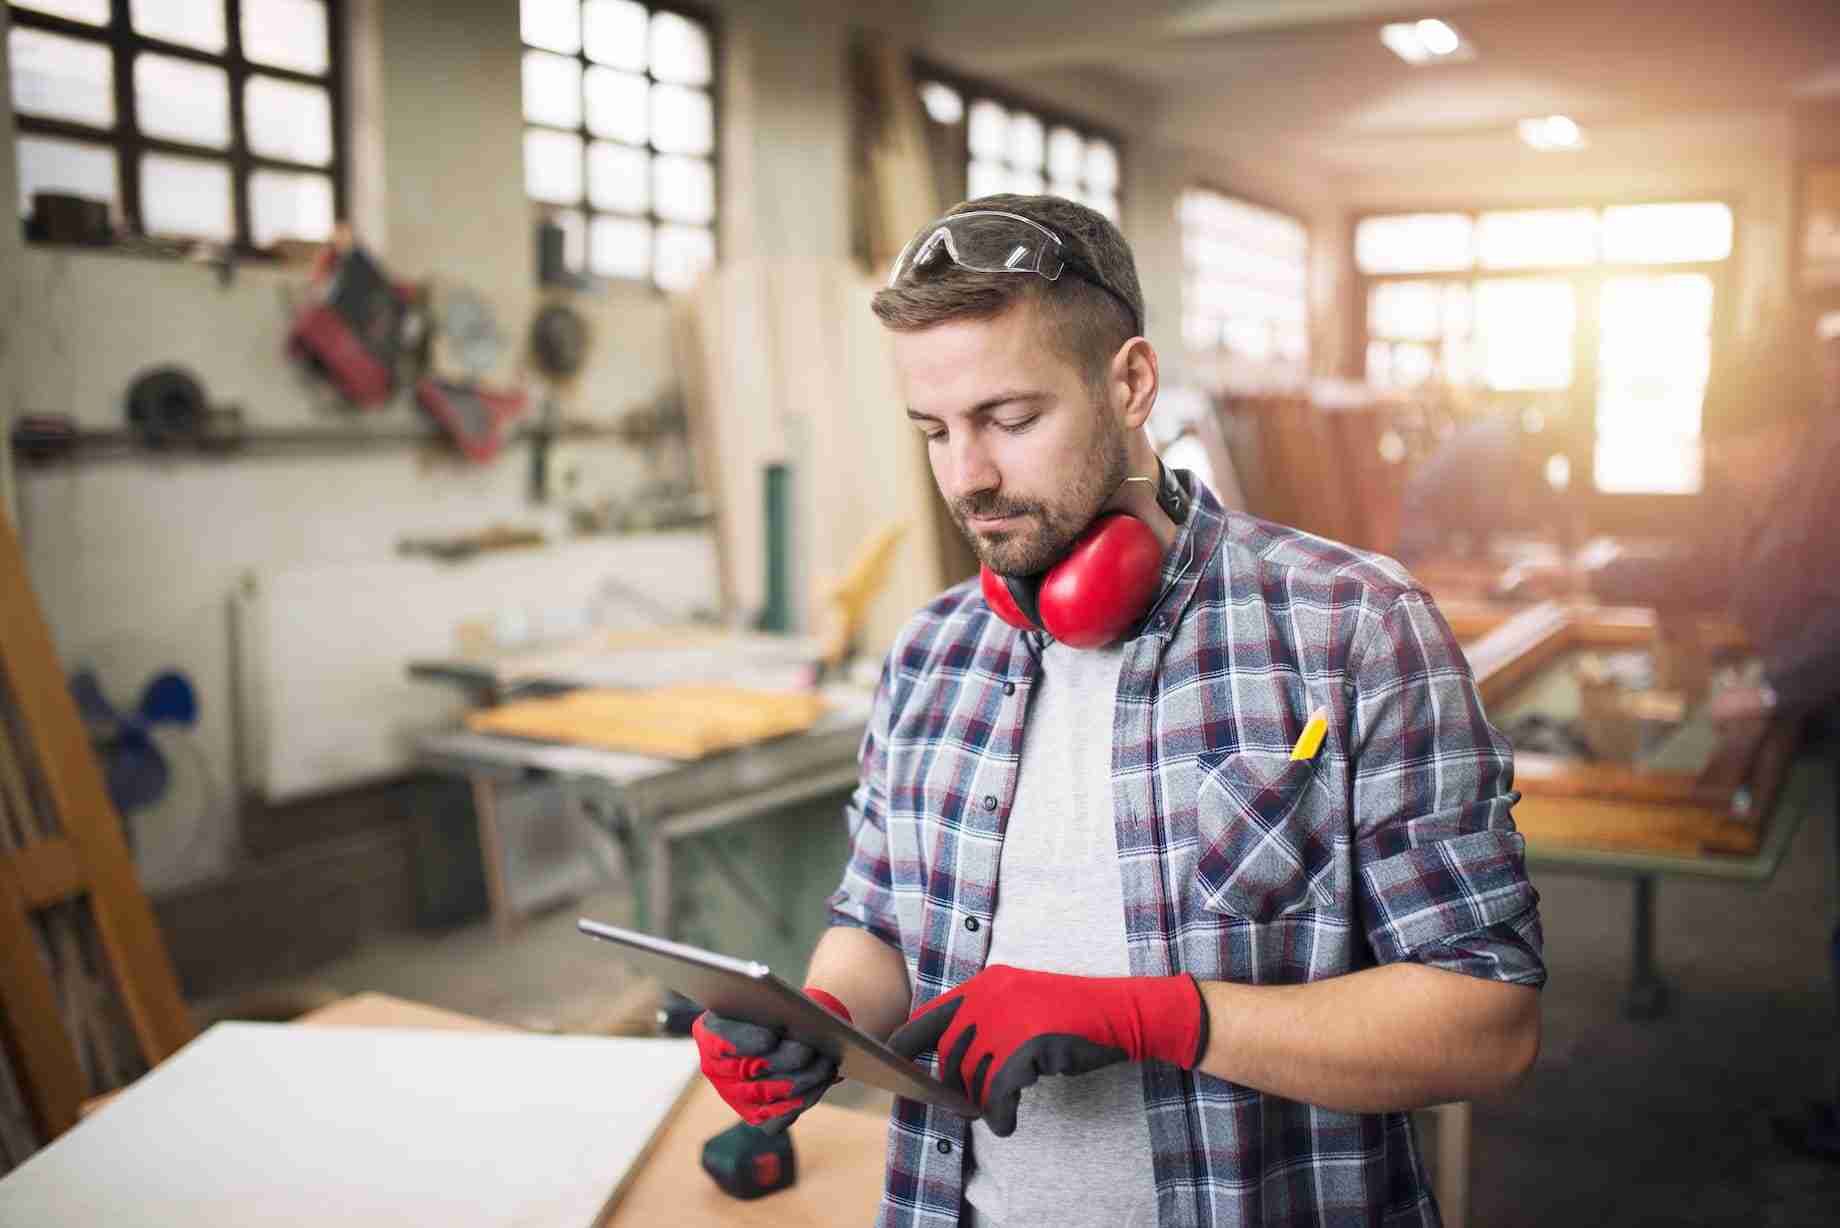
[1098,589]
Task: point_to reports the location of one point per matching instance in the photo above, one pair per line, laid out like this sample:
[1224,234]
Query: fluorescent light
[942,103]
[1427,41]
[1552,133]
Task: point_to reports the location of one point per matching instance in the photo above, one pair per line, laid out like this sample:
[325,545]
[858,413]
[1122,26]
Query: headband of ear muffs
[1099,588]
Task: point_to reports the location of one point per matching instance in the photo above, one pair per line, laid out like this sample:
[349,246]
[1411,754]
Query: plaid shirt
[1239,864]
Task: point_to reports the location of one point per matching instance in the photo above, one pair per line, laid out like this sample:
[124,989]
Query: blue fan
[132,763]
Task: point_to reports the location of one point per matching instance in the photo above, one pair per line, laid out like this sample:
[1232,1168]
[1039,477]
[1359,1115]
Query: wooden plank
[38,1047]
[1555,776]
[43,873]
[59,744]
[1507,655]
[1624,826]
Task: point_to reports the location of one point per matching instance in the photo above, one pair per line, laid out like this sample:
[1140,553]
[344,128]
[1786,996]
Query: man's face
[1022,454]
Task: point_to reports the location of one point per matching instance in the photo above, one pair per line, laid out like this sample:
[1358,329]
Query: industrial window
[620,142]
[1007,146]
[191,120]
[1601,319]
[1245,283]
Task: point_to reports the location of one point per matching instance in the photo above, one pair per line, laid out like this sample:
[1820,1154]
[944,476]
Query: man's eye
[933,436]
[1017,427]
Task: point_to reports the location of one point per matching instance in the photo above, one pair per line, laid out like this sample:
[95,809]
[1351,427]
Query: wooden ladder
[62,843]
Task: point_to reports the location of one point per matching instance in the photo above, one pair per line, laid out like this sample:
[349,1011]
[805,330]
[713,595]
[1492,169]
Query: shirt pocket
[1265,823]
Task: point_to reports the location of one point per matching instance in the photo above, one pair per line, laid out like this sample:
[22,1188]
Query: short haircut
[1082,321]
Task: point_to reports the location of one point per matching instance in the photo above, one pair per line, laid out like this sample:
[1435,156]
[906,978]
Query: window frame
[1309,250]
[1621,511]
[587,277]
[130,144]
[972,89]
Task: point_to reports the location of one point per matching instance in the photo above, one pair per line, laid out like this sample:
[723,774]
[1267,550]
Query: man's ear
[1131,383]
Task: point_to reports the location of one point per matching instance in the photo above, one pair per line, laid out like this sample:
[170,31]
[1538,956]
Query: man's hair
[1082,321]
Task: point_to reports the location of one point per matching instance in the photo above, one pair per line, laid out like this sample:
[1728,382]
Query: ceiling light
[942,103]
[1429,41]
[1551,133]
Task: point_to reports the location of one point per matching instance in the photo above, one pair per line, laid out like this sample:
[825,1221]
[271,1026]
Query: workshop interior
[454,484]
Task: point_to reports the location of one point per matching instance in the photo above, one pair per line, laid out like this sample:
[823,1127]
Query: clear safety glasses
[993,241]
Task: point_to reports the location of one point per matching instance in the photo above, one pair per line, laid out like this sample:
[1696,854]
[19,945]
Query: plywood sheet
[684,722]
[277,1124]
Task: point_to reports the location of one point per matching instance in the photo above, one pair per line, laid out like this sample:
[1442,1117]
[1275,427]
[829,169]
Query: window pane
[62,78]
[985,179]
[988,130]
[1524,329]
[684,189]
[680,50]
[287,33]
[1026,182]
[1553,238]
[185,196]
[552,166]
[1105,203]
[1066,152]
[1667,234]
[94,12]
[618,105]
[683,253]
[552,89]
[620,247]
[615,33]
[182,101]
[289,205]
[1413,243]
[1654,355]
[1023,143]
[50,165]
[618,178]
[682,120]
[553,24]
[574,240]
[289,121]
[195,23]
[1406,310]
[1102,169]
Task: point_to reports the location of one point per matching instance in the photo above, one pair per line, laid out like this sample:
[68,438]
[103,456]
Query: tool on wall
[352,329]
[461,342]
[167,410]
[559,340]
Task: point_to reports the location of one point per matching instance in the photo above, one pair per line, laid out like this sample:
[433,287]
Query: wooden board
[685,722]
[839,1154]
[289,1124]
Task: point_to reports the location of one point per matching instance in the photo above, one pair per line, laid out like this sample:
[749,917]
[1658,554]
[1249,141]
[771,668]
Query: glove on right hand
[766,1076]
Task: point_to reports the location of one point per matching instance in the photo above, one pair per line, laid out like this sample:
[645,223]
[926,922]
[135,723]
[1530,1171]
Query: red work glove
[1006,1027]
[766,1076]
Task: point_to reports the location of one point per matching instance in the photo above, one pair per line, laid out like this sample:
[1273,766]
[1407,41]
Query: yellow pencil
[1311,740]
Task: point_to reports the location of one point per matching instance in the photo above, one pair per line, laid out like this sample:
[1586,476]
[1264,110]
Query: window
[620,141]
[193,119]
[1006,146]
[1603,314]
[1245,282]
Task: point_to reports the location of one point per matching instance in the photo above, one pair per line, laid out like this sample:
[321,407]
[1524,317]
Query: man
[1193,969]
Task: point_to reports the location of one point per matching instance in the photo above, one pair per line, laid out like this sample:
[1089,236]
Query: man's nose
[968,470]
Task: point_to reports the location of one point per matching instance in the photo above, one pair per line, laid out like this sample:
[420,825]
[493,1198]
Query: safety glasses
[993,241]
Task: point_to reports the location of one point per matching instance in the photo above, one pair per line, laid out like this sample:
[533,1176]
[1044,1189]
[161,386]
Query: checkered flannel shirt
[1394,843]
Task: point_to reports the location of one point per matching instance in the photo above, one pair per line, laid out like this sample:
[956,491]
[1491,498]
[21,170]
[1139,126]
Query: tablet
[743,989]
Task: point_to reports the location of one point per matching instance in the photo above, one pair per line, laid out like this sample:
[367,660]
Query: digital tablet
[743,989]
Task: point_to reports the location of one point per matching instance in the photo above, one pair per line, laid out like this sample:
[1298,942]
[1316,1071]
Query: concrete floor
[1621,1122]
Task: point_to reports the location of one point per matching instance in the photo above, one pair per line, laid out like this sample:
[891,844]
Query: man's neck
[1139,498]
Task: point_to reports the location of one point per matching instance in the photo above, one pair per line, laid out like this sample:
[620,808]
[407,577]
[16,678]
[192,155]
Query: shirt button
[971,923]
[990,801]
[1009,688]
[945,1147]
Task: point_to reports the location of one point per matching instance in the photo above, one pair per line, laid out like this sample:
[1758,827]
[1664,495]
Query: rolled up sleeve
[1441,872]
[864,899]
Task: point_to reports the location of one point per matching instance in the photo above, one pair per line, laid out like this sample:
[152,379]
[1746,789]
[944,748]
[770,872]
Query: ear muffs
[1094,594]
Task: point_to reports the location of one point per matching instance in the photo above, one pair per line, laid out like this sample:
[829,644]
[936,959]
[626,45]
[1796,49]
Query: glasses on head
[994,241]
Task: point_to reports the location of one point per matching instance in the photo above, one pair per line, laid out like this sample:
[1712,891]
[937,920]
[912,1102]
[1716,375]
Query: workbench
[642,804]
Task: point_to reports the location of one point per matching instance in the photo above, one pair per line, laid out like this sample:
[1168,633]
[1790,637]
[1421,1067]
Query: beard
[1045,528]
